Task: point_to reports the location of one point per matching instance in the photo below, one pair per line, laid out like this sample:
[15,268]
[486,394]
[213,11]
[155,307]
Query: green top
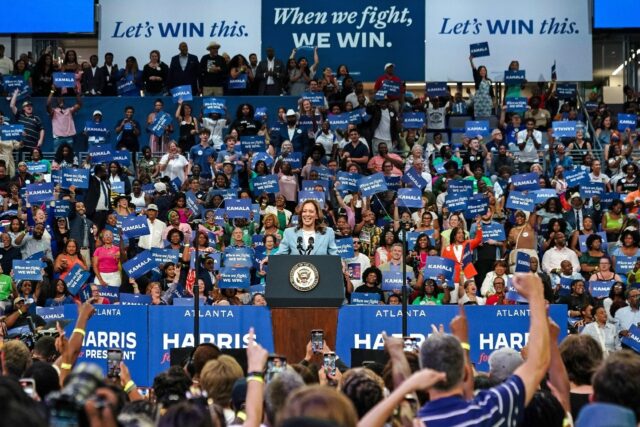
[5,287]
[427,300]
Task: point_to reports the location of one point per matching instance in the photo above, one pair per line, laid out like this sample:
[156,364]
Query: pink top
[288,187]
[62,122]
[107,259]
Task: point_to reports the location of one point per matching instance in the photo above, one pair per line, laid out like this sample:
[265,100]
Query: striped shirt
[32,127]
[502,405]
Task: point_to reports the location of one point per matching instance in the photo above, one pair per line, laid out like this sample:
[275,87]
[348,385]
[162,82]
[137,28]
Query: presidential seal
[304,276]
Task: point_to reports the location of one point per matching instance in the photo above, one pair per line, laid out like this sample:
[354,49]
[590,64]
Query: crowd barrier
[146,334]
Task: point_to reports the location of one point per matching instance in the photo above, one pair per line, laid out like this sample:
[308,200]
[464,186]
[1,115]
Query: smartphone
[29,387]
[410,344]
[114,357]
[275,364]
[329,363]
[317,339]
[144,392]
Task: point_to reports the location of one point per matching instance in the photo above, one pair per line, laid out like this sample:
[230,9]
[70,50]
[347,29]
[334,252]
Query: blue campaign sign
[294,159]
[413,120]
[27,270]
[117,187]
[64,80]
[372,184]
[96,130]
[591,106]
[12,132]
[51,314]
[163,256]
[77,177]
[564,129]
[214,105]
[365,298]
[592,189]
[339,121]
[393,182]
[520,201]
[258,243]
[576,177]
[493,231]
[523,262]
[265,157]
[260,113]
[437,266]
[239,257]
[76,279]
[123,157]
[252,144]
[348,181]
[541,196]
[37,167]
[473,128]
[238,208]
[310,184]
[391,87]
[392,280]
[516,104]
[217,260]
[38,193]
[11,83]
[627,121]
[181,93]
[460,187]
[632,340]
[266,184]
[324,172]
[316,98]
[345,247]
[514,77]
[160,123]
[456,202]
[318,196]
[134,299]
[607,198]
[140,264]
[566,90]
[114,326]
[135,226]
[526,181]
[490,327]
[477,205]
[102,153]
[36,256]
[625,264]
[414,179]
[240,82]
[61,208]
[437,89]
[478,50]
[126,87]
[234,277]
[565,286]
[226,327]
[600,289]
[410,198]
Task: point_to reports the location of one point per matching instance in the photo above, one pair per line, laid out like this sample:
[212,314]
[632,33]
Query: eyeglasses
[356,242]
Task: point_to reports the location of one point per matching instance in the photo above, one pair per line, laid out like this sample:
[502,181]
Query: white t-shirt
[175,167]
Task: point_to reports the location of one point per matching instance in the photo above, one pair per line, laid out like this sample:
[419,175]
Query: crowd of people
[571,241]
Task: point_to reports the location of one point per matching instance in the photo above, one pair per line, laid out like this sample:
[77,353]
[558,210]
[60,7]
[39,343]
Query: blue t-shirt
[199,155]
[500,405]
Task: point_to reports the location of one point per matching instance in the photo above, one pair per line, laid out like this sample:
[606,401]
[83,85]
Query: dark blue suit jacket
[300,140]
[188,76]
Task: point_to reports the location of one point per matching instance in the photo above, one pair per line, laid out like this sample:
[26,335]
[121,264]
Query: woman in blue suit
[297,240]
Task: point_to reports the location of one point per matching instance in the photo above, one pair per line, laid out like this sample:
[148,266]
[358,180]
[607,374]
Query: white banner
[136,27]
[535,33]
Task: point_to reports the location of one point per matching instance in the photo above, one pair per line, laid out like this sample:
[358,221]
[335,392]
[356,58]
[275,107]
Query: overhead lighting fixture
[617,70]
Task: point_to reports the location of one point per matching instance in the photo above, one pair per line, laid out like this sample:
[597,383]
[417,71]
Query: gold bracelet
[80,331]
[465,345]
[66,366]
[255,378]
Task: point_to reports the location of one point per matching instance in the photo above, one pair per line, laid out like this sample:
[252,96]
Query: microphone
[310,245]
[300,245]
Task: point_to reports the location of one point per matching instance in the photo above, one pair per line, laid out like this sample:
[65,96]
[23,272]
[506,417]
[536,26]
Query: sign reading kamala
[361,33]
[537,33]
[127,28]
[140,264]
[490,327]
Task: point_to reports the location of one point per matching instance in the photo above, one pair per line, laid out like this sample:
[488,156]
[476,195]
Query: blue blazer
[324,244]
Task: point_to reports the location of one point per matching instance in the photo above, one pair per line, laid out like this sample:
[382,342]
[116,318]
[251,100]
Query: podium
[298,304]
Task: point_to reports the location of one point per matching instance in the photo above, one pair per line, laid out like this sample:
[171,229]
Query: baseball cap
[25,103]
[97,113]
[503,362]
[152,207]
[160,187]
[18,299]
[389,64]
[605,415]
[574,195]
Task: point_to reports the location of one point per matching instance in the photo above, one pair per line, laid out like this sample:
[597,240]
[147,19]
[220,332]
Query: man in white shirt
[629,315]
[358,264]
[6,64]
[596,175]
[553,258]
[156,230]
[529,142]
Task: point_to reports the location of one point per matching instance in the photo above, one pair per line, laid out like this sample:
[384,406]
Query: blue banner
[240,82]
[11,83]
[607,198]
[295,160]
[238,208]
[627,121]
[318,196]
[61,208]
[316,98]
[260,113]
[490,327]
[592,189]
[64,80]
[117,187]
[393,182]
[576,177]
[566,90]
[38,193]
[265,157]
[514,77]
[413,120]
[37,167]
[266,184]
[126,87]
[135,226]
[348,181]
[473,128]
[437,266]
[134,299]
[214,105]
[252,144]
[160,123]
[625,264]
[437,89]
[11,132]
[460,187]
[324,172]
[51,314]
[76,177]
[391,87]
[520,201]
[372,184]
[102,153]
[76,279]
[27,270]
[365,298]
[493,231]
[410,198]
[633,339]
[478,50]
[232,277]
[523,262]
[600,289]
[339,121]
[477,205]
[345,247]
[526,181]
[163,256]
[181,92]
[414,178]
[516,104]
[123,157]
[564,129]
[239,257]
[362,34]
[140,264]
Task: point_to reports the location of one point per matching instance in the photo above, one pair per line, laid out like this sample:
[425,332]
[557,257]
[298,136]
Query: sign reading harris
[478,50]
[627,121]
[372,184]
[27,270]
[64,80]
[181,93]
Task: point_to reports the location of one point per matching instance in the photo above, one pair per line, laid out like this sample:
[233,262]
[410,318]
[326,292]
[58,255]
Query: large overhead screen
[613,14]
[47,16]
